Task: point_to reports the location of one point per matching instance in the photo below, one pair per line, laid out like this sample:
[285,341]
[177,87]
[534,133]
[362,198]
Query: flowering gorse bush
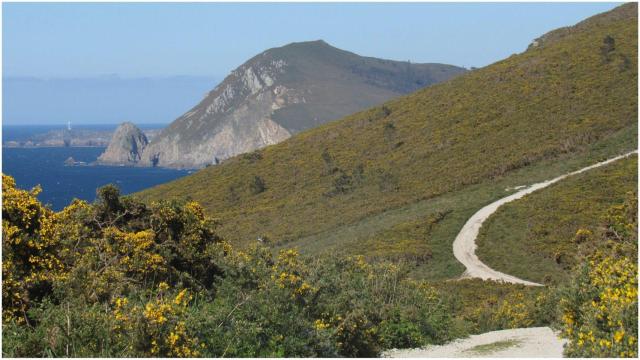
[600,307]
[119,278]
[159,327]
[30,260]
[514,312]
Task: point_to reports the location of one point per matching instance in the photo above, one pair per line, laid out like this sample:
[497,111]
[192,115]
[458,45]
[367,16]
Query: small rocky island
[73,162]
[125,147]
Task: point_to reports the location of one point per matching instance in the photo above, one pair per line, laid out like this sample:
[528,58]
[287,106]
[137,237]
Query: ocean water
[60,183]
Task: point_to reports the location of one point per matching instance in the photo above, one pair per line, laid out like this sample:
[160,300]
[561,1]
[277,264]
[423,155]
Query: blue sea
[60,184]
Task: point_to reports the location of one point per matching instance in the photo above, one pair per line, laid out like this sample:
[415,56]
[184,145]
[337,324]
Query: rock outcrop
[126,146]
[280,92]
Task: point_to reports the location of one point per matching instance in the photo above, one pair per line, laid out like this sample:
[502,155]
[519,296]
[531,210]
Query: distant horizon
[84,124]
[108,99]
[113,76]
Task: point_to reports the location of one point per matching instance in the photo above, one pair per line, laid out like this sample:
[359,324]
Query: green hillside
[447,149]
[546,234]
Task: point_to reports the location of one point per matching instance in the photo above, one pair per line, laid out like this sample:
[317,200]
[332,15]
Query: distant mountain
[126,146]
[280,92]
[571,99]
[62,137]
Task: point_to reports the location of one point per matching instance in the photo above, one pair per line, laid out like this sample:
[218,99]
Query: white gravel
[539,342]
[464,246]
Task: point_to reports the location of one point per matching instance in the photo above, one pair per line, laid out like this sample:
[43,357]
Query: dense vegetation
[544,235]
[119,278]
[554,103]
[599,306]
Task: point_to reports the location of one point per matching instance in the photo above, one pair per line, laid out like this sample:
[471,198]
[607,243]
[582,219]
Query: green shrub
[482,306]
[257,185]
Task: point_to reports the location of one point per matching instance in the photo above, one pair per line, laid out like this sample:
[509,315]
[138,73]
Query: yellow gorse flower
[168,333]
[30,247]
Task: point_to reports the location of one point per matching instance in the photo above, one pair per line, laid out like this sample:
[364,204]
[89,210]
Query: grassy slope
[533,238]
[407,230]
[458,142]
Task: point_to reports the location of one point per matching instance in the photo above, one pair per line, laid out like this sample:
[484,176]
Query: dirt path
[464,246]
[526,342]
[515,343]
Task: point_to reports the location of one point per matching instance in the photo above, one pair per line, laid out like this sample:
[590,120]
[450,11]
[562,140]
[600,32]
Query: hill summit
[280,92]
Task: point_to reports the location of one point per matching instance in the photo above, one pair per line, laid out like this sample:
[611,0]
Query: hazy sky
[100,99]
[147,39]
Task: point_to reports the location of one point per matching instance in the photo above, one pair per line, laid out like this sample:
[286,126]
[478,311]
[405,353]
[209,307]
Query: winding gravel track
[537,342]
[464,246]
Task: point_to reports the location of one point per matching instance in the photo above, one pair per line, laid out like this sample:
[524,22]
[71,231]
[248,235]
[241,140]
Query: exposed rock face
[126,146]
[280,92]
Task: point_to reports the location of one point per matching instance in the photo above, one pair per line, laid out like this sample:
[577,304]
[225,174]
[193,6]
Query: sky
[101,99]
[206,41]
